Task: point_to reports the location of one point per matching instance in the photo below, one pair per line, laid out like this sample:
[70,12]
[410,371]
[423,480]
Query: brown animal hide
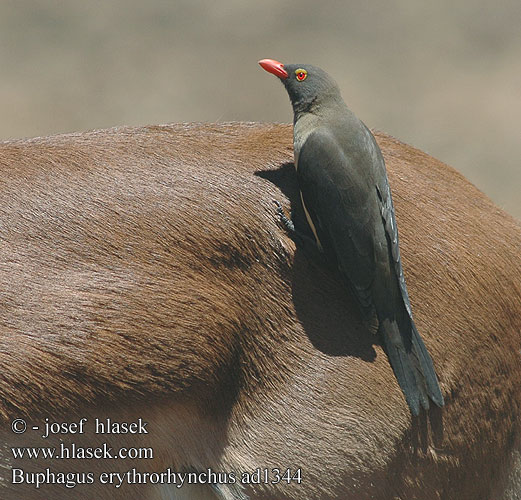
[144,274]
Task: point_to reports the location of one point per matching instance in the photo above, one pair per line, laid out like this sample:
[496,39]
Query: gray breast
[304,126]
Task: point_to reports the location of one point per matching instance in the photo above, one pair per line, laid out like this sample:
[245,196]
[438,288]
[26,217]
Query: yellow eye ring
[301,74]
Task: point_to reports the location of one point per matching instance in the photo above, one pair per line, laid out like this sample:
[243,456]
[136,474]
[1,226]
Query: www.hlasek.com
[169,476]
[75,452]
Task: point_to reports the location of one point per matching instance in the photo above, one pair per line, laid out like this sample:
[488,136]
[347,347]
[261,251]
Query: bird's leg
[303,241]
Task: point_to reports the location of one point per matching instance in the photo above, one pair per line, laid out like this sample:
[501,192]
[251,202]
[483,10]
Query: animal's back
[144,274]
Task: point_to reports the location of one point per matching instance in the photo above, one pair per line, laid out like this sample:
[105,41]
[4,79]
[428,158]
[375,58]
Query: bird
[347,201]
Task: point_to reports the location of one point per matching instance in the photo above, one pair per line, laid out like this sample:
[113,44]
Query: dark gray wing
[346,193]
[342,205]
[387,212]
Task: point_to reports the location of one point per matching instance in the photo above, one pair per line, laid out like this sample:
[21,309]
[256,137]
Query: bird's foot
[286,221]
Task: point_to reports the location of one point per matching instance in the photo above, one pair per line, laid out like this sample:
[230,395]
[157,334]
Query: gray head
[306,85]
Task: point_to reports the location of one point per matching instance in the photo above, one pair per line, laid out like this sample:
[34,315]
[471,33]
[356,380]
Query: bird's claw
[279,205]
[288,224]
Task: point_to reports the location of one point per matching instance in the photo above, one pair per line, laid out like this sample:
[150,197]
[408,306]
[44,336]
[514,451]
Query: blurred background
[443,76]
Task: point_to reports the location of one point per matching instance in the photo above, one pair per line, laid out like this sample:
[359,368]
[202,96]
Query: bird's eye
[301,74]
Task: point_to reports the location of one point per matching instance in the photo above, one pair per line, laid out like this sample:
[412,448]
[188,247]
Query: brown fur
[144,274]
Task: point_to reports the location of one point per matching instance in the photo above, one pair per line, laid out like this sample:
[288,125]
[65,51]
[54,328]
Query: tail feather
[412,367]
[426,367]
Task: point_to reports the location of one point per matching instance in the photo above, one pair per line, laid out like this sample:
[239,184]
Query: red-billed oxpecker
[347,201]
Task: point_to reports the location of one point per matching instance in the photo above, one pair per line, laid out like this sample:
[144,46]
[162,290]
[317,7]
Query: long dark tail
[412,366]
